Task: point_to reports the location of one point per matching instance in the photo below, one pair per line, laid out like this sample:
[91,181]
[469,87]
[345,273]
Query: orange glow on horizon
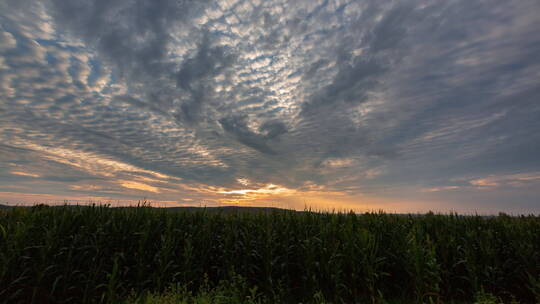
[313,197]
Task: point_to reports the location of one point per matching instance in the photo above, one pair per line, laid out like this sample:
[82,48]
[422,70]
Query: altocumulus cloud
[178,101]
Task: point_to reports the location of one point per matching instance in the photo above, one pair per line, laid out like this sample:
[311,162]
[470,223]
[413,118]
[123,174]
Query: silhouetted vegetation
[146,255]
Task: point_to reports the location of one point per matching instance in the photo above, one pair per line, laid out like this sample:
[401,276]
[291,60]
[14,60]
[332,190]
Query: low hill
[223,209]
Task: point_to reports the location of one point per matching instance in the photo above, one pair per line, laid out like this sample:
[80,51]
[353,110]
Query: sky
[402,106]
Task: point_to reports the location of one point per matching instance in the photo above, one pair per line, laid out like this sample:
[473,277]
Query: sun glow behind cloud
[139,186]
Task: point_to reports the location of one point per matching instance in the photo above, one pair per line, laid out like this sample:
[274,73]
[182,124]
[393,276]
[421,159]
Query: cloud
[133,36]
[338,162]
[511,180]
[346,96]
[7,41]
[243,181]
[238,126]
[21,173]
[437,189]
[196,76]
[138,186]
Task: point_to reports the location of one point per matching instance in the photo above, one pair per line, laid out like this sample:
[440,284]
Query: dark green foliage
[100,254]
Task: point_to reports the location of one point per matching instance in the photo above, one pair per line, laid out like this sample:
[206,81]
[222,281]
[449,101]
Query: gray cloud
[133,36]
[237,125]
[354,96]
[351,84]
[194,73]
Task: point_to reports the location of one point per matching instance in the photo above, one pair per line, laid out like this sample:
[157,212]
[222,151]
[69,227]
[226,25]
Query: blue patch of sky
[51,59]
[72,70]
[95,66]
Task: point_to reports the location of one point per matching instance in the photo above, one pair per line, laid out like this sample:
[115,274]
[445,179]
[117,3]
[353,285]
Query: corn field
[99,254]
